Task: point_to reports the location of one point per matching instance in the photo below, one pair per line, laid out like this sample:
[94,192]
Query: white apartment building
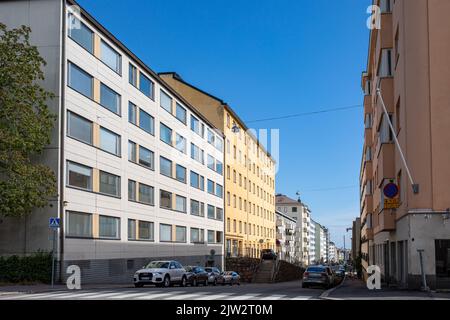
[140,172]
[323,244]
[301,213]
[312,242]
[332,252]
[285,237]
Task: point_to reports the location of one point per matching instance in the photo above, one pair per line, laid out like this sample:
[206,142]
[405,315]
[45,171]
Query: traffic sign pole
[54,225]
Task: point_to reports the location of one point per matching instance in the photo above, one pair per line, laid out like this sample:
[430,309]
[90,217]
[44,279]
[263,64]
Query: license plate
[145,278]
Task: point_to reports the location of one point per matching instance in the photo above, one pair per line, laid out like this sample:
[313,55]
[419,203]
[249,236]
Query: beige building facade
[408,60]
[249,173]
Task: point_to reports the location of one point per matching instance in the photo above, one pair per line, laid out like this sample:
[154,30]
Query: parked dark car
[196,275]
[229,277]
[318,276]
[268,254]
[213,274]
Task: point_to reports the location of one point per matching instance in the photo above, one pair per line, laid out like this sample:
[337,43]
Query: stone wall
[246,267]
[288,272]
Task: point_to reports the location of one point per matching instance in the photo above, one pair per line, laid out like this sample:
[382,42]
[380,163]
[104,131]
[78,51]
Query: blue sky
[269,59]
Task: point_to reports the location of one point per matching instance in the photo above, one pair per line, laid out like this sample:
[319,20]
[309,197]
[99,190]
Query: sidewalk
[354,289]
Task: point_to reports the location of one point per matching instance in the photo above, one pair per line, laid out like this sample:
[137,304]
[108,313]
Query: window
[368,121]
[146,194]
[111,57]
[385,131]
[109,141]
[219,214]
[109,99]
[109,227]
[386,6]
[197,153]
[197,181]
[211,162]
[132,75]
[219,167]
[132,112]
[181,173]
[146,122]
[79,128]
[195,125]
[146,231]
[146,158]
[219,144]
[180,234]
[145,85]
[397,117]
[219,191]
[79,224]
[131,229]
[80,81]
[166,101]
[165,233]
[81,34]
[211,236]
[385,65]
[210,186]
[165,199]
[132,190]
[197,208]
[211,137]
[109,184]
[211,212]
[165,134]
[219,237]
[165,167]
[132,151]
[197,235]
[181,113]
[180,143]
[79,176]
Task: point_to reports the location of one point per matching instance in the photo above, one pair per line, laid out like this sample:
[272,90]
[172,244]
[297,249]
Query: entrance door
[442,249]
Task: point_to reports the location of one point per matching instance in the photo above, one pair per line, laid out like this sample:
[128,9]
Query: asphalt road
[274,291]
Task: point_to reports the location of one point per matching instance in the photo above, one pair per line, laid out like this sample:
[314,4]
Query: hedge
[34,268]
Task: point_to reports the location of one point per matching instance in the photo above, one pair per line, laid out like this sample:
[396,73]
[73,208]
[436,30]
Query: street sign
[390,190]
[53,223]
[391,203]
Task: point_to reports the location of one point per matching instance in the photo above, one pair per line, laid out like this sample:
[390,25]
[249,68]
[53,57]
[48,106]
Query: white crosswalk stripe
[274,297]
[151,295]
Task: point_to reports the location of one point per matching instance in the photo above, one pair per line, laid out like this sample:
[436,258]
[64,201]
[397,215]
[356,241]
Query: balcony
[386,221]
[386,162]
[366,233]
[368,139]
[368,104]
[290,237]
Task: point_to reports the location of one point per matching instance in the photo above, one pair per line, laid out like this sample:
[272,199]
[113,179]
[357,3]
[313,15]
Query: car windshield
[315,269]
[158,265]
[208,269]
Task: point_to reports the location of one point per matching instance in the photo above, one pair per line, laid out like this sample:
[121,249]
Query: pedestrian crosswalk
[135,294]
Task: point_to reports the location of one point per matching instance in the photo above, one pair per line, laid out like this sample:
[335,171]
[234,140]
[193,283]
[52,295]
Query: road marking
[215,297]
[301,298]
[273,297]
[160,296]
[245,297]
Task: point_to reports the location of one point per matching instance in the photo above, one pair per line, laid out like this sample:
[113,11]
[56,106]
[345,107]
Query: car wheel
[183,282]
[138,285]
[167,281]
[215,282]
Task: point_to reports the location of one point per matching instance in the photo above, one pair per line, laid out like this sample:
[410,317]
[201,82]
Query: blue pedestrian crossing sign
[53,223]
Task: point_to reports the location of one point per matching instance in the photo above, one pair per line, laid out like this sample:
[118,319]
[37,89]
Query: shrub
[34,268]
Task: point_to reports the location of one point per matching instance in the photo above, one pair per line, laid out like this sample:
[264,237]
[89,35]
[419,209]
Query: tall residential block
[249,174]
[301,213]
[140,171]
[408,61]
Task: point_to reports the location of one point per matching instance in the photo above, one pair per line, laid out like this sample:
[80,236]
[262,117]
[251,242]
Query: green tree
[25,125]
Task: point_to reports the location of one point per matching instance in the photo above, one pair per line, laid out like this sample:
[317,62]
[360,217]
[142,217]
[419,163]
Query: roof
[140,63]
[282,199]
[285,216]
[226,106]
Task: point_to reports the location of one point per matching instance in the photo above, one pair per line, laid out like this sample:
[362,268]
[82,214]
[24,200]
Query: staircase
[265,271]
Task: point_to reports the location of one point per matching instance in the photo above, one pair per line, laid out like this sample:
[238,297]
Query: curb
[329,291]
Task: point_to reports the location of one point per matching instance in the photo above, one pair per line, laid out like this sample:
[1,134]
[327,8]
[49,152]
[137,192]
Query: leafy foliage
[34,268]
[25,125]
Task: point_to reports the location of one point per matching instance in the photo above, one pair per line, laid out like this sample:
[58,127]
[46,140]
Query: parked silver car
[161,273]
[213,274]
[318,276]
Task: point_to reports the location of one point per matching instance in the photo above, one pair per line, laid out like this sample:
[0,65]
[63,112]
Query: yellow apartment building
[250,219]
